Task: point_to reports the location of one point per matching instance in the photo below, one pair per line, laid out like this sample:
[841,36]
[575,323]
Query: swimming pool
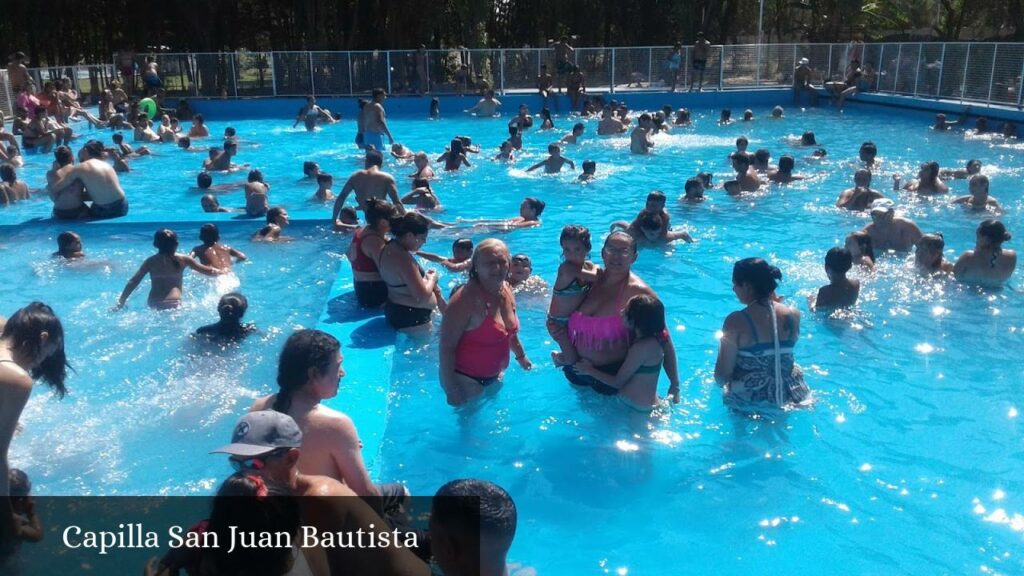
[909,463]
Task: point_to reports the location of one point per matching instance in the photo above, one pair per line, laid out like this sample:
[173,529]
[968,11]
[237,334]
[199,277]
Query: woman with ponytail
[755,357]
[988,265]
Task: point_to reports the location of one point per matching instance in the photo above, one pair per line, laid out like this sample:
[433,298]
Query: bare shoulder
[14,380]
[263,403]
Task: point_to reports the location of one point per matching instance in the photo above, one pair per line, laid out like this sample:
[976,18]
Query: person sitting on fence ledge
[375,124]
[701,49]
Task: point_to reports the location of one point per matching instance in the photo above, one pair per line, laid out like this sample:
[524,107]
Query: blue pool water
[910,461]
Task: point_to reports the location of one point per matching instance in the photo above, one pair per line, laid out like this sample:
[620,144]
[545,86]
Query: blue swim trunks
[375,139]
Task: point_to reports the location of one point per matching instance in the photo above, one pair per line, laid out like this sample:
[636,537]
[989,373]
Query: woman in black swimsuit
[413,293]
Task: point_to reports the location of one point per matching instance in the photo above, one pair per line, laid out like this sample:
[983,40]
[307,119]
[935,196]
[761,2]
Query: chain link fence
[959,71]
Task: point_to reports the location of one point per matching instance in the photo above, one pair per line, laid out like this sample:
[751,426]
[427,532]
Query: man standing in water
[701,49]
[891,232]
[100,180]
[370,182]
[374,123]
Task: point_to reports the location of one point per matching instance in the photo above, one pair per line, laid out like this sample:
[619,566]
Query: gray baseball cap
[260,432]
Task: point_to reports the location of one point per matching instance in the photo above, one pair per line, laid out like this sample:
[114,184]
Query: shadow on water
[344,308]
[373,334]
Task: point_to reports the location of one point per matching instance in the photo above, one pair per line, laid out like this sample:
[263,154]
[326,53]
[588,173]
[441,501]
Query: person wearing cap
[889,231]
[802,82]
[861,195]
[266,445]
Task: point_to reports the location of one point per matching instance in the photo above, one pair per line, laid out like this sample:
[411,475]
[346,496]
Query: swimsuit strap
[779,396]
[750,321]
[995,256]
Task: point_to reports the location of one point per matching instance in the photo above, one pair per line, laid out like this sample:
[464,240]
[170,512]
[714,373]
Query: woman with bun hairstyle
[755,362]
[988,264]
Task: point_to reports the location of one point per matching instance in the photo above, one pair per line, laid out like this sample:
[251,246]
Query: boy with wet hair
[554,162]
[462,253]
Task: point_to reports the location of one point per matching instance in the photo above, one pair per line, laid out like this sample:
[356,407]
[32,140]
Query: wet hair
[303,350]
[229,132]
[246,502]
[838,260]
[786,164]
[777,111]
[934,241]
[204,180]
[19,485]
[742,140]
[323,178]
[575,232]
[973,161]
[807,138]
[474,509]
[994,231]
[696,185]
[94,148]
[409,223]
[869,147]
[931,168]
[377,210]
[117,137]
[726,114]
[374,158]
[211,199]
[209,233]
[762,155]
[980,178]
[656,196]
[646,314]
[652,221]
[525,258]
[308,167]
[255,176]
[864,242]
[166,242]
[552,148]
[348,215]
[705,177]
[621,234]
[536,204]
[455,146]
[378,92]
[232,307]
[64,239]
[578,126]
[273,214]
[589,166]
[7,173]
[682,114]
[762,277]
[462,244]
[24,330]
[645,117]
[63,155]
[748,114]
[198,118]
[184,142]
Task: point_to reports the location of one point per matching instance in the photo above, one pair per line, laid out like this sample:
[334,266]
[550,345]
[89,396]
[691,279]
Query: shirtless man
[802,82]
[100,179]
[784,175]
[13,188]
[554,162]
[609,124]
[487,106]
[891,232]
[941,124]
[544,83]
[973,167]
[17,73]
[222,161]
[640,141]
[374,124]
[69,201]
[151,75]
[371,182]
[979,199]
[257,194]
[927,182]
[701,49]
[746,177]
[564,57]
[861,195]
[211,252]
[273,439]
[198,129]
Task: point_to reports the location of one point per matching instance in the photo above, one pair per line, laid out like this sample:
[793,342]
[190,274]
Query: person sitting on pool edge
[888,231]
[480,327]
[277,219]
[637,379]
[979,198]
[231,308]
[928,256]
[988,265]
[841,292]
[166,270]
[211,252]
[309,372]
[69,246]
[554,162]
[861,195]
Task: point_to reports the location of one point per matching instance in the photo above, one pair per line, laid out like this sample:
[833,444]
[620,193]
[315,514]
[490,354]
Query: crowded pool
[912,438]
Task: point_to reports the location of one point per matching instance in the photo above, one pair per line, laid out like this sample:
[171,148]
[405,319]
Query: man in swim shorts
[370,182]
[17,73]
[69,201]
[564,54]
[701,48]
[151,76]
[374,123]
[100,180]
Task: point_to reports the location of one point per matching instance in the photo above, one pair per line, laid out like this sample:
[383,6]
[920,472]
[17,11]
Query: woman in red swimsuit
[480,327]
[363,253]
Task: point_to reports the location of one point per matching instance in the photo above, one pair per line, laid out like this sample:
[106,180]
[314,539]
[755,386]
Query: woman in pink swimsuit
[480,327]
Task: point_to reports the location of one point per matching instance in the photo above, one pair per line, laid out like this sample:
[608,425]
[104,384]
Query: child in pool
[423,169]
[231,308]
[462,253]
[554,162]
[422,196]
[348,220]
[575,276]
[637,379]
[210,203]
[435,108]
[841,292]
[505,152]
[69,246]
[323,193]
[400,152]
[589,171]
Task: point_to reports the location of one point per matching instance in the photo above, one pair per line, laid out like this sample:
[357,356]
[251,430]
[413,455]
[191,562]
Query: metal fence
[969,72]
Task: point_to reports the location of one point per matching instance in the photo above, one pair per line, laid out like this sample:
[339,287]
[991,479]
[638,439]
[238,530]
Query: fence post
[899,60]
[312,82]
[992,72]
[273,76]
[195,74]
[793,67]
[387,60]
[757,72]
[611,80]
[942,70]
[351,88]
[234,74]
[684,63]
[721,68]
[917,73]
[828,70]
[878,71]
[650,66]
[963,85]
[501,71]
[1020,87]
